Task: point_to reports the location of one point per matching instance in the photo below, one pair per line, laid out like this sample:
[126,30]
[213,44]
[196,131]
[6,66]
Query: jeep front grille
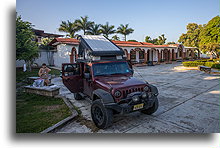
[131,90]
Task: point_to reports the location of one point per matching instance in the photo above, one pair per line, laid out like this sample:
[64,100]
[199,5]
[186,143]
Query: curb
[59,124]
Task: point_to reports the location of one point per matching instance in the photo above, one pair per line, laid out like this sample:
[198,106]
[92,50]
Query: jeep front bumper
[129,106]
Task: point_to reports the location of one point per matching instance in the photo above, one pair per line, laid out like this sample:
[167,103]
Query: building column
[171,55]
[145,57]
[159,56]
[137,56]
[174,56]
[184,55]
[129,56]
[192,54]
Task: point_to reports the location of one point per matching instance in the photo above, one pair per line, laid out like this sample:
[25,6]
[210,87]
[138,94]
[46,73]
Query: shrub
[217,66]
[200,62]
[193,63]
[213,65]
[216,60]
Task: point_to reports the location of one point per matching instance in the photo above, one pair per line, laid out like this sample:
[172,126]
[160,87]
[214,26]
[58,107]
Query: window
[111,68]
[71,69]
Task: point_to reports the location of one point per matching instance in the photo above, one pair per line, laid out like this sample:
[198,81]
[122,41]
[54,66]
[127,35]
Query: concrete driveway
[188,103]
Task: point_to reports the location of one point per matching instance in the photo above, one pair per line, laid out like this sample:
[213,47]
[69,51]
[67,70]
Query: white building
[66,51]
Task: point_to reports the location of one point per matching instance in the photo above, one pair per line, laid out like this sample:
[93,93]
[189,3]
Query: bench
[205,69]
[50,91]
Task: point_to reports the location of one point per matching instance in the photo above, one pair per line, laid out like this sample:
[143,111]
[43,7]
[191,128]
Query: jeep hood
[118,82]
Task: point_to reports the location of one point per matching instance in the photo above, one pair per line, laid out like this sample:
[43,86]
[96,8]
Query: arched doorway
[148,55]
[73,55]
[158,56]
[180,52]
[173,55]
[133,55]
[141,55]
[152,55]
[166,55]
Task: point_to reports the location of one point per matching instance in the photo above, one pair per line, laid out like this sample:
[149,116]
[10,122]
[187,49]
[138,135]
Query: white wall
[63,54]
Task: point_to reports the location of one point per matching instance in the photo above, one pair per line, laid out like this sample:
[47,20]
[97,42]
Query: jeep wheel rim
[98,114]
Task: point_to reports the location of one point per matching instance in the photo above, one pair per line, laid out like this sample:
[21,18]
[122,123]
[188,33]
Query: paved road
[189,102]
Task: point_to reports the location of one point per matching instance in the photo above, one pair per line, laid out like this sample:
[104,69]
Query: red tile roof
[126,42]
[118,43]
[145,43]
[64,41]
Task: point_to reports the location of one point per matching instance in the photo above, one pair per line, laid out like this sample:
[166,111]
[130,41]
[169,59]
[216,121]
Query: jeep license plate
[138,106]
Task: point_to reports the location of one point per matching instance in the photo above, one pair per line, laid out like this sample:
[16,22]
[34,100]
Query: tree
[68,27]
[107,29]
[26,47]
[124,30]
[210,37]
[116,38]
[132,41]
[157,41]
[84,24]
[191,37]
[168,43]
[161,40]
[94,29]
[148,39]
[45,42]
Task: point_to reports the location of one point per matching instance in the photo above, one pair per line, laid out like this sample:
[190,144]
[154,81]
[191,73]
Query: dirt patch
[87,123]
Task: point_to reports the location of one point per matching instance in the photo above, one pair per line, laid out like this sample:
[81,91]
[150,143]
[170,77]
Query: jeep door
[72,77]
[87,82]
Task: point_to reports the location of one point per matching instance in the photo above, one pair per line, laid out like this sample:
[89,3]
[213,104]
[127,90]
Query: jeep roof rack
[98,45]
[88,61]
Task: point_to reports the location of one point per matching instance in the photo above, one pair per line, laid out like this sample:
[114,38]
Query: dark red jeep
[111,87]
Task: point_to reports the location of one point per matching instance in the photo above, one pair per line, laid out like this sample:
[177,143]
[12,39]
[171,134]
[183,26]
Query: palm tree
[116,38]
[124,30]
[69,28]
[107,29]
[84,24]
[161,39]
[94,30]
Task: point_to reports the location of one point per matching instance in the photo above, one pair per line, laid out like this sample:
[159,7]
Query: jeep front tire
[101,116]
[152,109]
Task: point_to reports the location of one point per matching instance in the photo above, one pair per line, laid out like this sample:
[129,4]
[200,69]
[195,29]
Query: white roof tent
[98,45]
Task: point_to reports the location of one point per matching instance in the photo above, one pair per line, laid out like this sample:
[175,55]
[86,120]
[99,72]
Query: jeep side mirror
[87,75]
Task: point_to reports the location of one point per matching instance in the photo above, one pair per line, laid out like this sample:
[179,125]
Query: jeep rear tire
[101,116]
[77,96]
[152,109]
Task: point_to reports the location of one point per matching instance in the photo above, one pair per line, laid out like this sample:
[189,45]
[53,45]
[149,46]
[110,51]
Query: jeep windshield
[102,69]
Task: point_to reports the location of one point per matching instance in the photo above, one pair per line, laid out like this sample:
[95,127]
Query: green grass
[34,113]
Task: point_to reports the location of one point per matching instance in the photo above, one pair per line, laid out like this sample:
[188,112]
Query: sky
[147,17]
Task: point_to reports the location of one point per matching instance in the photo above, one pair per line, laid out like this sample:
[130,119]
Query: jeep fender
[105,96]
[153,89]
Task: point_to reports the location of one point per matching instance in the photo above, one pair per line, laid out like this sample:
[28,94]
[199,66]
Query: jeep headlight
[144,95]
[146,88]
[117,94]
